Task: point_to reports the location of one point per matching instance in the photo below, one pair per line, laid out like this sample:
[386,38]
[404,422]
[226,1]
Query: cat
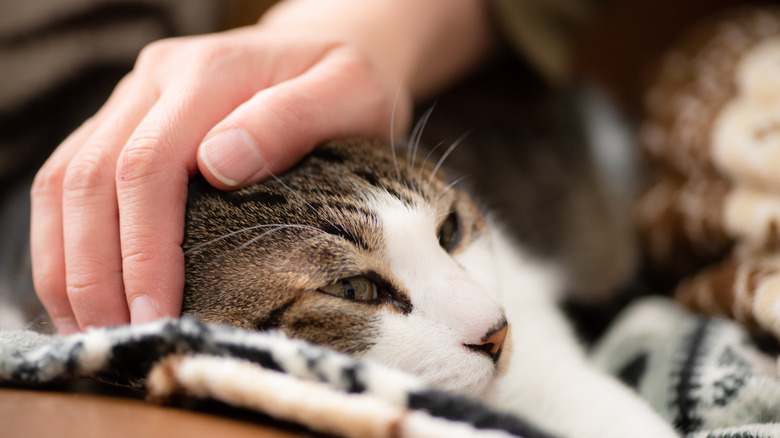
[371,251]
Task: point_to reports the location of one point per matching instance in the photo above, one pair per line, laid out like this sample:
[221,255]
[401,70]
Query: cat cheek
[346,327]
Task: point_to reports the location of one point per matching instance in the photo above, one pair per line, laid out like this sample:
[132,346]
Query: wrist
[424,44]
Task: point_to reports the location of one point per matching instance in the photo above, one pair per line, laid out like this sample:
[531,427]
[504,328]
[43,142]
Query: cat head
[358,249]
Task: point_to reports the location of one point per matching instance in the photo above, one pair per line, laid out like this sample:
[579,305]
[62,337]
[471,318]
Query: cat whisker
[416,136]
[302,245]
[392,129]
[279,228]
[447,154]
[449,187]
[243,230]
[427,158]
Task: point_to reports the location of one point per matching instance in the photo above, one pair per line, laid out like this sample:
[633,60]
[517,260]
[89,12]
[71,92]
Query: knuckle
[290,110]
[138,160]
[91,277]
[356,63]
[138,256]
[47,282]
[364,70]
[156,51]
[376,90]
[81,286]
[127,81]
[159,59]
[196,51]
[211,54]
[47,182]
[210,50]
[85,172]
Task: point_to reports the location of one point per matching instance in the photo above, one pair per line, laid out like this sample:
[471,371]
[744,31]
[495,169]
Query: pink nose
[493,342]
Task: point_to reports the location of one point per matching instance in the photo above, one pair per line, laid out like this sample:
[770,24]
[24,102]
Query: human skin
[237,106]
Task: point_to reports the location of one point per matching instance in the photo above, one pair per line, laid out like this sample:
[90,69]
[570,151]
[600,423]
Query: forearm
[424,43]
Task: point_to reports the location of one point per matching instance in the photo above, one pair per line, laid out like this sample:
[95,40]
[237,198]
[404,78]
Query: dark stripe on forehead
[369,177]
[343,207]
[327,155]
[397,195]
[340,231]
[356,209]
[257,197]
[405,193]
[332,226]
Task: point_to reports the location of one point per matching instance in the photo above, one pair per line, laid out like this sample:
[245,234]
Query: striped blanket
[701,374]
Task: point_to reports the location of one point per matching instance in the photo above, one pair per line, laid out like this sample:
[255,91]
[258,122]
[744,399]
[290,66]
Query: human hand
[108,205]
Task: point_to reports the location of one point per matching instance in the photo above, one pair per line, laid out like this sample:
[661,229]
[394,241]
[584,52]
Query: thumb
[341,96]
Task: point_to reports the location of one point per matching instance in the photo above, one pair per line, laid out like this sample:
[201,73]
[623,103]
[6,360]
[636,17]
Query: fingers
[152,174]
[342,95]
[76,267]
[46,233]
[90,218]
[46,224]
[76,233]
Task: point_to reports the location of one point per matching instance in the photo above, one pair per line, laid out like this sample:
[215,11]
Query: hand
[108,205]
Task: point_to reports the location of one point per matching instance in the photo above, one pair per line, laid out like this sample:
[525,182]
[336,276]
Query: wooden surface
[32,413]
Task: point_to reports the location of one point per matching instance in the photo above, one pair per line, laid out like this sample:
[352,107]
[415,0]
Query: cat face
[359,251]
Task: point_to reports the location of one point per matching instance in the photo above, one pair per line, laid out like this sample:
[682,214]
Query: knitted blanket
[701,374]
[268,372]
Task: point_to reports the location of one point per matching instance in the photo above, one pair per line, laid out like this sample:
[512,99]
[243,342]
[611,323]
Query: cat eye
[354,288]
[450,232]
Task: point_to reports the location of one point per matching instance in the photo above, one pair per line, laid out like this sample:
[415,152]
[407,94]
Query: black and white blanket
[702,375]
[268,372]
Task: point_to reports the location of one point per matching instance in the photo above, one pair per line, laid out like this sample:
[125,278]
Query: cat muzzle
[493,342]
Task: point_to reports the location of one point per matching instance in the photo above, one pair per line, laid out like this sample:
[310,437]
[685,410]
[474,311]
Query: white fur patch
[457,300]
[450,307]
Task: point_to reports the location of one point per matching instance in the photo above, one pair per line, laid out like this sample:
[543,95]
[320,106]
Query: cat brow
[298,195]
[342,233]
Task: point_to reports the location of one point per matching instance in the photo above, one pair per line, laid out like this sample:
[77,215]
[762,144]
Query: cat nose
[493,342]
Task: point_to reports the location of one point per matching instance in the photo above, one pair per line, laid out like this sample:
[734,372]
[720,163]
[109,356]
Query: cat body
[374,252]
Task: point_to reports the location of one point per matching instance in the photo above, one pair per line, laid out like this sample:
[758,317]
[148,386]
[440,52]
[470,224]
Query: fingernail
[66,326]
[232,156]
[142,309]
